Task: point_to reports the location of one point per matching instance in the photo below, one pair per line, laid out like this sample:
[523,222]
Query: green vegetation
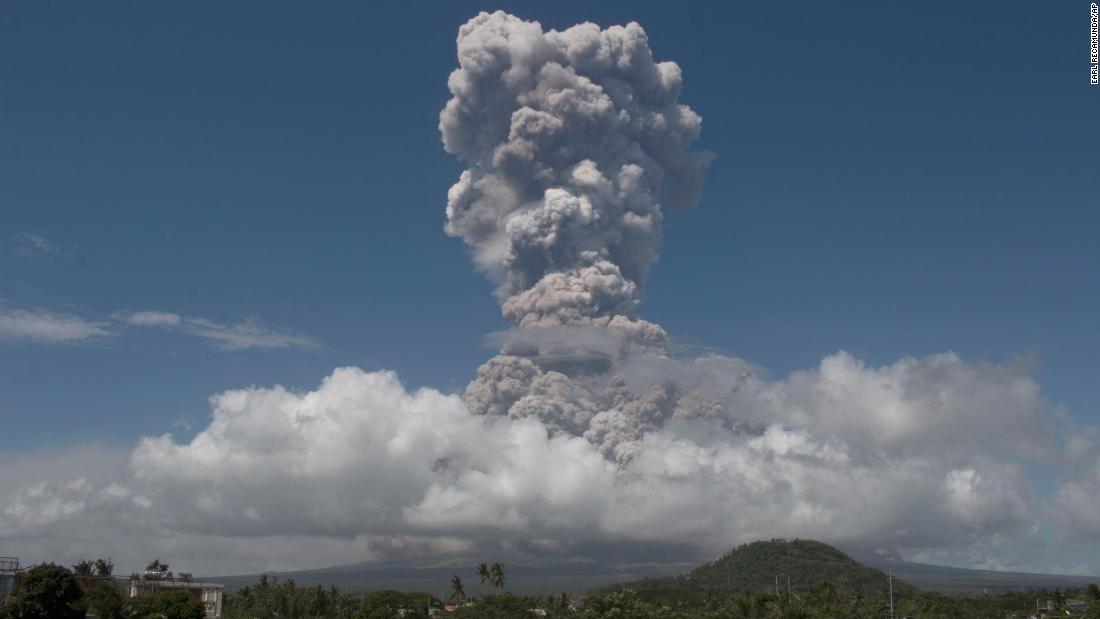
[165,605]
[157,571]
[104,600]
[803,578]
[270,598]
[508,606]
[823,601]
[458,591]
[47,592]
[775,566]
[496,575]
[388,604]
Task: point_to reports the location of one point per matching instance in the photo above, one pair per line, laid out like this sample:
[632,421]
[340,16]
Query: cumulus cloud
[248,334]
[43,326]
[362,458]
[1076,508]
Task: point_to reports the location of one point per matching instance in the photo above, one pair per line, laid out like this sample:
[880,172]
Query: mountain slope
[963,581]
[762,567]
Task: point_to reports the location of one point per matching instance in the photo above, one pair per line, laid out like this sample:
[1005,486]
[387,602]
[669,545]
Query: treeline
[270,599]
[55,592]
[825,601]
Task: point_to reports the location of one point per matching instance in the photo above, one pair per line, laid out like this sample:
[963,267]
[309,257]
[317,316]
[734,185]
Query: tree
[104,601]
[483,574]
[496,575]
[506,606]
[104,568]
[83,568]
[390,604]
[1093,611]
[175,604]
[157,571]
[269,599]
[625,604]
[457,591]
[48,591]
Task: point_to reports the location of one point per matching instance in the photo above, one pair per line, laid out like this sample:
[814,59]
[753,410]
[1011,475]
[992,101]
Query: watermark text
[1094,60]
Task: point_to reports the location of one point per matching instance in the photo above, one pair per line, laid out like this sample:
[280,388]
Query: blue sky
[891,179]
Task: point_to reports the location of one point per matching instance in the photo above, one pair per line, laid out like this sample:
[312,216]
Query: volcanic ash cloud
[570,137]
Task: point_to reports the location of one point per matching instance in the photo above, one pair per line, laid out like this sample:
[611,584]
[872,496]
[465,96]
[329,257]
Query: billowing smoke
[573,140]
[570,137]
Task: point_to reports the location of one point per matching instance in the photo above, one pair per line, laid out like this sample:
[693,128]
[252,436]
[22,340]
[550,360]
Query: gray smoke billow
[573,140]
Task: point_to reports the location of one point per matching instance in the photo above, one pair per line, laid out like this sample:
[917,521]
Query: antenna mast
[891,594]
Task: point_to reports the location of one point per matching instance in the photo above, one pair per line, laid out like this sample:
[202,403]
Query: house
[1077,606]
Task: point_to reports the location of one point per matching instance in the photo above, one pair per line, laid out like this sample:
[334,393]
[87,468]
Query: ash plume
[573,140]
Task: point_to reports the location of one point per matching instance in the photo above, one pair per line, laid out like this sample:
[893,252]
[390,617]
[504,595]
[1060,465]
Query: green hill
[760,567]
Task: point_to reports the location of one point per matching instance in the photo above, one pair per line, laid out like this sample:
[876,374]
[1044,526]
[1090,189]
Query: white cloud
[43,326]
[248,334]
[936,405]
[49,327]
[361,460]
[1076,508]
[153,319]
[31,244]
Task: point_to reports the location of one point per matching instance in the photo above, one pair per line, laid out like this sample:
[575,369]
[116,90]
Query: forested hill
[757,567]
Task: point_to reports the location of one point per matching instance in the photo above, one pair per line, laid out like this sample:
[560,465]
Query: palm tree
[496,575]
[483,573]
[457,591]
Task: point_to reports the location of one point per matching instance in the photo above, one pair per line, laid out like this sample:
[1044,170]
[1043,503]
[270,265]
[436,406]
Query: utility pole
[788,587]
[891,594]
[777,585]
